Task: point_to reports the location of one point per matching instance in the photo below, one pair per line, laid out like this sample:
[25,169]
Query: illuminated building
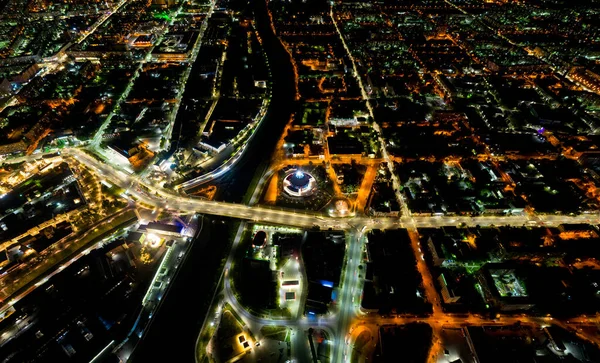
[299,184]
[165,229]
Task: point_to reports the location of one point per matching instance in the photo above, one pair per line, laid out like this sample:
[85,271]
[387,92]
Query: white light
[153,239]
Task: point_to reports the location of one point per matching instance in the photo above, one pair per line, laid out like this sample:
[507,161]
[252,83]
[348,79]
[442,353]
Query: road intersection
[348,316]
[162,198]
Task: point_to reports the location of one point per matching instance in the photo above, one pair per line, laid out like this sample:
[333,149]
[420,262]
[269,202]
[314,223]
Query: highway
[343,320]
[347,316]
[167,199]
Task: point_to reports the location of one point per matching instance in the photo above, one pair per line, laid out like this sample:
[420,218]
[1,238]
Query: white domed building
[299,184]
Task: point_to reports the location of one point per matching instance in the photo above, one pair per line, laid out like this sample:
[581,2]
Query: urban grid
[300,181]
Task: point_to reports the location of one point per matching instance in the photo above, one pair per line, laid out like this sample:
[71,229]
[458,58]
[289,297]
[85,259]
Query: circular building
[299,184]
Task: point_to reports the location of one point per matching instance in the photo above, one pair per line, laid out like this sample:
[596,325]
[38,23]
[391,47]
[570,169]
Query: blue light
[327,283]
[299,174]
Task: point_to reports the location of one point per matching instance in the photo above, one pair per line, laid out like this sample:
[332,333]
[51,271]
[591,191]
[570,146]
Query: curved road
[238,175]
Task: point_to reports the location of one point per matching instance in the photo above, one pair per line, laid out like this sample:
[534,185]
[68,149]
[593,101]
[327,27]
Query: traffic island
[307,187]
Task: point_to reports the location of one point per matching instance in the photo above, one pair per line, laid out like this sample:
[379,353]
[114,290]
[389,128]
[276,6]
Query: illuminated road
[349,295]
[107,14]
[242,138]
[97,139]
[163,198]
[42,279]
[350,291]
[340,324]
[298,326]
[352,288]
[345,319]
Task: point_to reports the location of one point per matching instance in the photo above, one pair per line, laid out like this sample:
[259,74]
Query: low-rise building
[504,288]
[448,293]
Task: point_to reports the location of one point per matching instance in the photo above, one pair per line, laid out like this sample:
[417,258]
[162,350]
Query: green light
[163,16]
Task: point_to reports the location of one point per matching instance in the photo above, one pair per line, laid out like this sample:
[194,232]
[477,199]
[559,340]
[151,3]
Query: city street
[163,198]
[340,323]
[360,117]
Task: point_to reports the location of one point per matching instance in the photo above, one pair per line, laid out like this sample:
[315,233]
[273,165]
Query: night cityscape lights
[300,181]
